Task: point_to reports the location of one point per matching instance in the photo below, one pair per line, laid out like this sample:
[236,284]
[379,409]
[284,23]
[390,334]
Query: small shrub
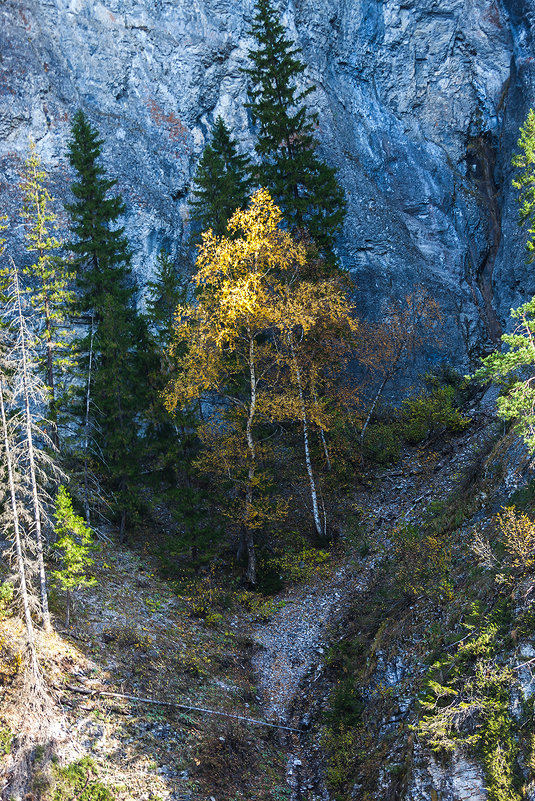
[262,608]
[6,597]
[346,702]
[421,562]
[429,412]
[205,596]
[194,662]
[512,553]
[340,745]
[126,637]
[6,739]
[382,442]
[80,780]
[300,563]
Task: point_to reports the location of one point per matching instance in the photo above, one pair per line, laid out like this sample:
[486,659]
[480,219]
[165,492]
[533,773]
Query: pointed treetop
[303,186]
[222,181]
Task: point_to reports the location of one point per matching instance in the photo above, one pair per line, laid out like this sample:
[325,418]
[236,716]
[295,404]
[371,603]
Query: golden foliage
[516,535]
[261,344]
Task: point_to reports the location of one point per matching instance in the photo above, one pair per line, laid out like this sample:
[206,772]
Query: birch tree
[406,325]
[245,348]
[227,350]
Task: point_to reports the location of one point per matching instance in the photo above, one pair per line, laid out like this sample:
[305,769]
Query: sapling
[74,547]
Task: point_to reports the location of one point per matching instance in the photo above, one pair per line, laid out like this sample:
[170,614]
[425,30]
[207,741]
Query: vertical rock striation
[419,100]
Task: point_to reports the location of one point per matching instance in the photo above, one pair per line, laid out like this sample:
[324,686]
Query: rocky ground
[134,634]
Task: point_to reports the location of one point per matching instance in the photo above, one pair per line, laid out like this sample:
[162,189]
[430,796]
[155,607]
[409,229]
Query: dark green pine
[100,245]
[222,182]
[171,442]
[163,294]
[107,296]
[304,186]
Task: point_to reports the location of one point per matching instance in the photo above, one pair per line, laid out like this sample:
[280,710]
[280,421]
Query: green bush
[6,597]
[382,442]
[6,739]
[80,780]
[430,411]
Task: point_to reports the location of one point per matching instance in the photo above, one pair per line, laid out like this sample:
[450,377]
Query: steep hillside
[337,662]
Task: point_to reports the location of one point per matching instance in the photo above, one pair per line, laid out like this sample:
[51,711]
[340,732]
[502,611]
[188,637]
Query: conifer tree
[516,367]
[304,187]
[99,243]
[111,353]
[164,293]
[74,546]
[49,276]
[171,437]
[525,181]
[221,182]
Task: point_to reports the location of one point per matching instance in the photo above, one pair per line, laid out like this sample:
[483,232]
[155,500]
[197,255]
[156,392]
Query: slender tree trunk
[323,437]
[248,533]
[48,323]
[50,375]
[308,460]
[86,425]
[372,407]
[31,459]
[30,634]
[68,610]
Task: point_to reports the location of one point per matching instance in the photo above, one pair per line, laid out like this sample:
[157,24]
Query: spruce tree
[303,186]
[100,245]
[171,440]
[112,352]
[73,546]
[164,293]
[514,368]
[525,181]
[222,182]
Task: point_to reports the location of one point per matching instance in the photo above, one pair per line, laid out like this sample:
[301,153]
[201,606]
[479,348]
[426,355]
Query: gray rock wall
[419,100]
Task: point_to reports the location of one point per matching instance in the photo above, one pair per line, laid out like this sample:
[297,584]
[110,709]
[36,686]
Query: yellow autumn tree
[316,330]
[242,350]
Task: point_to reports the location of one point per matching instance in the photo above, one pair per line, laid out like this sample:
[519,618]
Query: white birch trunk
[308,460]
[323,438]
[31,458]
[251,556]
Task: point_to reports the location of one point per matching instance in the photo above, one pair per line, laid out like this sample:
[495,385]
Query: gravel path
[295,638]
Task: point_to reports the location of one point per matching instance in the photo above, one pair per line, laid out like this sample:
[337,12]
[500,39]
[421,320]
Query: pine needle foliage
[74,546]
[49,277]
[99,242]
[525,181]
[112,354]
[514,367]
[303,186]
[222,181]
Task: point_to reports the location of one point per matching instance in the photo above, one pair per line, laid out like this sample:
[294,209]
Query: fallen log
[174,705]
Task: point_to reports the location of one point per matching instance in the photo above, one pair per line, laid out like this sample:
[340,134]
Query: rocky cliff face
[419,102]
